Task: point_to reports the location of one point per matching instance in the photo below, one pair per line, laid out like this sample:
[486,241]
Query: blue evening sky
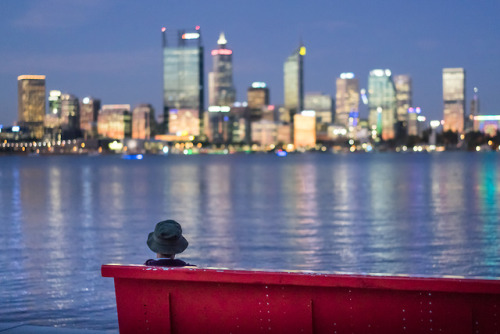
[111,49]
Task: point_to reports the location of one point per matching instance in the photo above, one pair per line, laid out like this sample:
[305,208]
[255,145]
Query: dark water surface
[61,217]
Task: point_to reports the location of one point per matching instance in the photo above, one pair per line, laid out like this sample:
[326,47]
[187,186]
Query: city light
[259,84]
[219,109]
[434,124]
[308,113]
[31,77]
[224,52]
[191,35]
[302,51]
[347,75]
[487,118]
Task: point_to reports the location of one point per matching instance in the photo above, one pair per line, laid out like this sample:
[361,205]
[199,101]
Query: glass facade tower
[293,70]
[222,93]
[382,103]
[223,90]
[31,103]
[454,99]
[183,84]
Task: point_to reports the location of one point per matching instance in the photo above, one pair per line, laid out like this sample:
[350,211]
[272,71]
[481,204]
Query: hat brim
[172,247]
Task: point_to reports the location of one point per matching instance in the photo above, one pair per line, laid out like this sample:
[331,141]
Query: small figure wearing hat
[166,241]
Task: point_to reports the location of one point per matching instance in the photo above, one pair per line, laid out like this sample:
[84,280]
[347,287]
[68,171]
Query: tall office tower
[55,103]
[183,84]
[322,105]
[258,99]
[89,111]
[31,103]
[382,103]
[474,109]
[293,69]
[143,121]
[402,82]
[114,121]
[221,91]
[346,99]
[454,99]
[223,88]
[474,104]
[70,112]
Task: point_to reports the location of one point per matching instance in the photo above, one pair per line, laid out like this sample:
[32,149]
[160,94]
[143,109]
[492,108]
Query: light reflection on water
[62,217]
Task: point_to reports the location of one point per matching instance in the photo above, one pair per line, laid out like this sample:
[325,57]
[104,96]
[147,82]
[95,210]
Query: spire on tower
[222,39]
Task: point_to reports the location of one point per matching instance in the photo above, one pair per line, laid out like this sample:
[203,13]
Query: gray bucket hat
[167,238]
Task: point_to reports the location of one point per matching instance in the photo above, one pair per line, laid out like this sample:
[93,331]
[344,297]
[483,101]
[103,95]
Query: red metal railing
[195,300]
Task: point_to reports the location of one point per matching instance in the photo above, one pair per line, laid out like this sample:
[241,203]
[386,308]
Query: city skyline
[112,51]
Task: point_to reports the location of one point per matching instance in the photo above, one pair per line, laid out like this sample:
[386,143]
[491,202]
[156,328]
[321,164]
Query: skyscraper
[258,99]
[293,70]
[183,84]
[382,103]
[114,121]
[454,99]
[347,98]
[89,111]
[70,112]
[224,93]
[221,92]
[31,103]
[143,121]
[402,82]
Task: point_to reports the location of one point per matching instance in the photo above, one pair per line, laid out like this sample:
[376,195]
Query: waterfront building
[474,110]
[322,105]
[89,111]
[293,70]
[183,83]
[381,104]
[346,99]
[70,112]
[257,99]
[143,121]
[454,99]
[114,121]
[265,133]
[487,124]
[413,126]
[55,103]
[304,129]
[284,133]
[31,104]
[403,85]
[218,124]
[240,124]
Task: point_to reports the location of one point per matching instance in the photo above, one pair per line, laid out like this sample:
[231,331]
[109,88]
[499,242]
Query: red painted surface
[195,300]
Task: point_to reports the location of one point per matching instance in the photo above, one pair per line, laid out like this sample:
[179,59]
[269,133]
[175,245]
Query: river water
[61,217]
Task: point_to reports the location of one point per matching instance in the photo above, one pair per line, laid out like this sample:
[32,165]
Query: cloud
[57,14]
